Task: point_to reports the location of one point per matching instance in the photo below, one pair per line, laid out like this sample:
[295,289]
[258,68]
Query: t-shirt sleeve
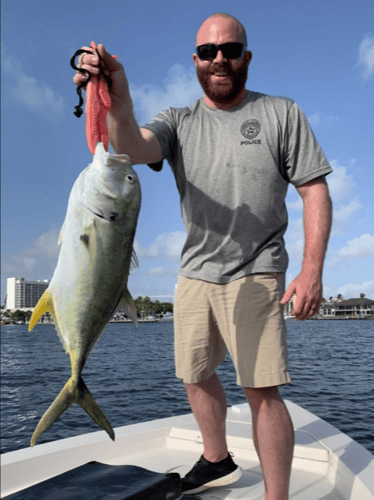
[304,159]
[162,125]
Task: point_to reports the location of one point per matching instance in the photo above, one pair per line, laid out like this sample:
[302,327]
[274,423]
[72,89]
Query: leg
[208,403]
[273,436]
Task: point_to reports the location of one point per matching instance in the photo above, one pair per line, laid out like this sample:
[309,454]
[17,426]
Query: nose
[219,57]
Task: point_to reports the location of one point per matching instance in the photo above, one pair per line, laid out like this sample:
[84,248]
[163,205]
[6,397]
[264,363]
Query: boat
[327,464]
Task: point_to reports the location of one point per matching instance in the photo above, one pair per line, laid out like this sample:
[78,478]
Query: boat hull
[327,464]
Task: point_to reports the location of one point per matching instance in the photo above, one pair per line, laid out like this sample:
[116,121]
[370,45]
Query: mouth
[221,79]
[221,75]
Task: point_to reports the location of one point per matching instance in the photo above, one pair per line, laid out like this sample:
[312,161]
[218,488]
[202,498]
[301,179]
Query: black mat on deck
[96,481]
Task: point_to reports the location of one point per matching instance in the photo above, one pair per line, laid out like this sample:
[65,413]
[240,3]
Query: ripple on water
[131,375]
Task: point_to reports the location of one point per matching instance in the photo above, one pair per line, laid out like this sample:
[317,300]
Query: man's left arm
[307,286]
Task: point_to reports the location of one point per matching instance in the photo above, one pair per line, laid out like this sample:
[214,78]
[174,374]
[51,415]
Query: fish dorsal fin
[44,305]
[134,264]
[126,305]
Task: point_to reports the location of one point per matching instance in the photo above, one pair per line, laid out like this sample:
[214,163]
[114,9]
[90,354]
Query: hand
[308,290]
[119,90]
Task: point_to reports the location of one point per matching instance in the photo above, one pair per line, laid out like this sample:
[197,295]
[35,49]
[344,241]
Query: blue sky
[321,54]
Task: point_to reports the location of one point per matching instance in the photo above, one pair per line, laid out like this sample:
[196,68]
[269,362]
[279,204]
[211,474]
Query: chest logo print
[250,129]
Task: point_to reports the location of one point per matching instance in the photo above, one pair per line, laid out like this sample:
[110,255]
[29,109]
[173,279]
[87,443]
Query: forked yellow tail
[74,391]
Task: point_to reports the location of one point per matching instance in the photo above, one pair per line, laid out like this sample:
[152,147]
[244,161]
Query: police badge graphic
[250,129]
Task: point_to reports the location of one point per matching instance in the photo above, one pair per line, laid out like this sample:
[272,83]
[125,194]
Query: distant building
[355,308]
[24,294]
[351,308]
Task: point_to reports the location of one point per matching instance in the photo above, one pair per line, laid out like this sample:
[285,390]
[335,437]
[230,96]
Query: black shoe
[206,475]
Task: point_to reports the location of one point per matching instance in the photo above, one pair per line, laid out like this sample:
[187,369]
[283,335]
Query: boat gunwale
[349,464]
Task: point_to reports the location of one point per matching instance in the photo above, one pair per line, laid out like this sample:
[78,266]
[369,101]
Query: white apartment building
[22,293]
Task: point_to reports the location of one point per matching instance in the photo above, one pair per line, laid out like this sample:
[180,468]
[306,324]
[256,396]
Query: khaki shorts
[243,317]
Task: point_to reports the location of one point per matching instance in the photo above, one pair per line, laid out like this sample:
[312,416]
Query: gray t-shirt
[232,170]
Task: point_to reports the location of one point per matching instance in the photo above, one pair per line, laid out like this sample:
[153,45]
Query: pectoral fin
[126,305]
[44,305]
[134,263]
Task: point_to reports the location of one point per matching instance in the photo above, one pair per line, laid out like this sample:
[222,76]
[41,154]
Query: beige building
[348,309]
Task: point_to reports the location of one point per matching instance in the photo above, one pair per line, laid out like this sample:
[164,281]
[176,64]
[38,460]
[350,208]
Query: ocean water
[131,375]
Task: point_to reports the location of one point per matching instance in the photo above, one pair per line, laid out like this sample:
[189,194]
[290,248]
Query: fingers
[109,61]
[307,289]
[287,295]
[95,62]
[90,62]
[305,310]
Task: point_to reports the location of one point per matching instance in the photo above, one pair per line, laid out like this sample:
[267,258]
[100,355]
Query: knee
[261,394]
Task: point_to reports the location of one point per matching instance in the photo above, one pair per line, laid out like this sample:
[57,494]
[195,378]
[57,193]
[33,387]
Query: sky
[320,54]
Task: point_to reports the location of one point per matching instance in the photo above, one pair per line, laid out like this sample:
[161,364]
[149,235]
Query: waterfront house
[355,308]
[347,309]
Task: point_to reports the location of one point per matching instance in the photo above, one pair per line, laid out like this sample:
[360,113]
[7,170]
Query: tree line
[144,307]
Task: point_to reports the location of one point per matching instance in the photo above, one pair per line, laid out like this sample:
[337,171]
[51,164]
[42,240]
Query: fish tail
[74,391]
[90,406]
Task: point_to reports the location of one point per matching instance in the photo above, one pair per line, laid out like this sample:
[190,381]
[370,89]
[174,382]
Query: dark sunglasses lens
[207,51]
[232,50]
[229,50]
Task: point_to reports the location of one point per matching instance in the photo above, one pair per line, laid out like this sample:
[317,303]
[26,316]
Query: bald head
[220,28]
[224,74]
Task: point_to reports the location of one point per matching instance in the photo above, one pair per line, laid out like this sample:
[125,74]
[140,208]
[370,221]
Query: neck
[226,105]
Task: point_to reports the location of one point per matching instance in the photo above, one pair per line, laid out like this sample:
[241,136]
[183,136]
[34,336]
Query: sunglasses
[231,50]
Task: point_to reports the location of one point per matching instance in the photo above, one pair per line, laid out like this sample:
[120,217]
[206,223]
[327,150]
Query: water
[131,375]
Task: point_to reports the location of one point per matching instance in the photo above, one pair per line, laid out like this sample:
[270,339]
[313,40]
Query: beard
[218,92]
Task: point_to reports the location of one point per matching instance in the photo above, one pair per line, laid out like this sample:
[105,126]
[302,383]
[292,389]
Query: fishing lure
[97,103]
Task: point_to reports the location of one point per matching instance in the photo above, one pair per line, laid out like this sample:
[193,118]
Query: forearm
[126,137]
[124,134]
[317,225]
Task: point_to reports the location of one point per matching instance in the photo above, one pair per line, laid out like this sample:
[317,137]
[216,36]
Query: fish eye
[130,178]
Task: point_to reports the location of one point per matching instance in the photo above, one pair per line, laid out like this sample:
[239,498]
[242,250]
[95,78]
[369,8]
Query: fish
[90,280]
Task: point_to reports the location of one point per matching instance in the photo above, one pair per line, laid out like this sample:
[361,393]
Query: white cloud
[35,262]
[345,213]
[150,252]
[28,91]
[366,56]
[340,183]
[357,248]
[320,119]
[180,88]
[295,205]
[162,271]
[343,195]
[168,245]
[353,290]
[295,250]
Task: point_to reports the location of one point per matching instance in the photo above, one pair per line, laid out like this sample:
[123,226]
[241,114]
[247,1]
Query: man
[233,154]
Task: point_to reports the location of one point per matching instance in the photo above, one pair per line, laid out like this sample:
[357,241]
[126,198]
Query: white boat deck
[327,464]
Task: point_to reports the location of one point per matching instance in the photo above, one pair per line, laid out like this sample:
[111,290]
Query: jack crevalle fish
[90,279]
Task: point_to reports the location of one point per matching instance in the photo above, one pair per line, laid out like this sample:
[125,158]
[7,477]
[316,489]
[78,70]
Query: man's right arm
[125,135]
